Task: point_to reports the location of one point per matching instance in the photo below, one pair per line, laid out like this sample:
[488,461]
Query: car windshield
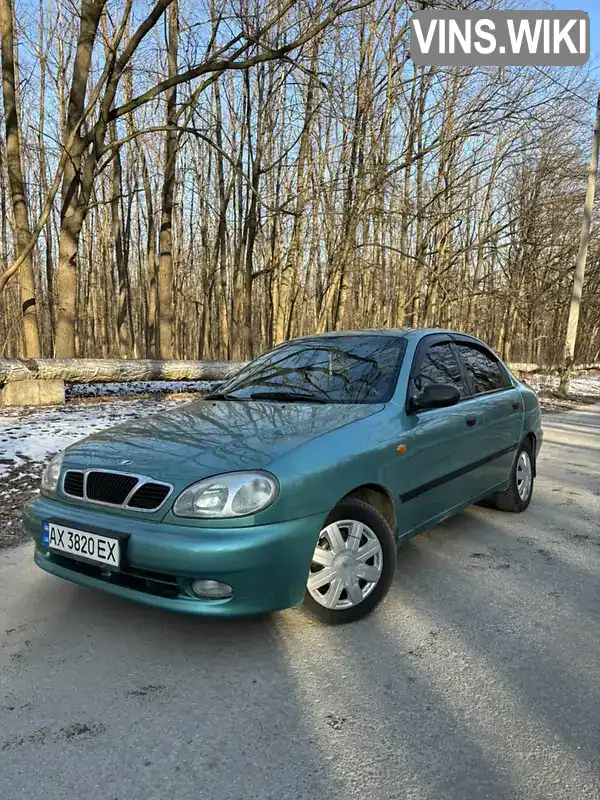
[327,369]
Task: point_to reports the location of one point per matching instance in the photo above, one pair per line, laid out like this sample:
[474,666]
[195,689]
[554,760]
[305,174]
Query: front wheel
[517,495]
[353,564]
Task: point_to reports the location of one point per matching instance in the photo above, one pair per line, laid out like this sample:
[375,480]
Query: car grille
[116,489]
[108,487]
[149,496]
[74,483]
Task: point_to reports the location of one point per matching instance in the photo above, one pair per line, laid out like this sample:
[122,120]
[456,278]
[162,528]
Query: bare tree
[16,180]
[210,178]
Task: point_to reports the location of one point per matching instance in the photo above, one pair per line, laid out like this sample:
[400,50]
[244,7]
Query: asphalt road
[478,678]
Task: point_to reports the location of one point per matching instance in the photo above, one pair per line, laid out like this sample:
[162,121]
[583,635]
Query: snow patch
[136,387]
[587,386]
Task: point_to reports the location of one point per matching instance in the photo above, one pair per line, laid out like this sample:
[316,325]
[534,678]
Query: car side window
[485,372]
[439,365]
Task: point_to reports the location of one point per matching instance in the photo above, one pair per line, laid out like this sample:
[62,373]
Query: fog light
[212,590]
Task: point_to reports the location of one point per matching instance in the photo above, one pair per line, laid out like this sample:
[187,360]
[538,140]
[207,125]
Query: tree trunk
[16,182]
[574,306]
[220,257]
[165,258]
[288,272]
[43,190]
[74,190]
[120,252]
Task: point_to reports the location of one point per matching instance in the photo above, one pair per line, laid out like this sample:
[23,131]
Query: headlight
[235,494]
[52,474]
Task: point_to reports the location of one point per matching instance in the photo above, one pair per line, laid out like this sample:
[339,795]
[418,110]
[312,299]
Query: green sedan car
[297,481]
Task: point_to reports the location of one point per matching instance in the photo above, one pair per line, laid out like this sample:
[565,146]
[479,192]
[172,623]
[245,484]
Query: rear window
[485,372]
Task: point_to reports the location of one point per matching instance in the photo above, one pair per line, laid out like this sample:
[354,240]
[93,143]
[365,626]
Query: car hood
[209,437]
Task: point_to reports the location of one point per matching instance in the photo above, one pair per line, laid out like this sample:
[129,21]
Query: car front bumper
[266,565]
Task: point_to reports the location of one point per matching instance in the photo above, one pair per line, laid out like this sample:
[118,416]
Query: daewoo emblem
[124,462]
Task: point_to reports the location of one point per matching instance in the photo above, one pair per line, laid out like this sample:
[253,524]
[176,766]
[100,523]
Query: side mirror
[436,395]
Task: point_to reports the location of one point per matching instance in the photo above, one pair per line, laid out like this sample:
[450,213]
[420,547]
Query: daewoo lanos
[296,481]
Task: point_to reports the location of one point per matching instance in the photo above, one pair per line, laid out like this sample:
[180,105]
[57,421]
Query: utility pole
[571,337]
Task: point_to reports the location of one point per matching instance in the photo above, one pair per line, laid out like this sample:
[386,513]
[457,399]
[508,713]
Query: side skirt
[402,540]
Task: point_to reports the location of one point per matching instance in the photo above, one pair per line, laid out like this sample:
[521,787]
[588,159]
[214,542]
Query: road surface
[478,678]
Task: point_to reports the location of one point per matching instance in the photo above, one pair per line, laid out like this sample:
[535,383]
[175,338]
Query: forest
[203,179]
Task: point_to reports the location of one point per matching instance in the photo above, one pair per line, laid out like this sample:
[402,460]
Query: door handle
[471,420]
[516,405]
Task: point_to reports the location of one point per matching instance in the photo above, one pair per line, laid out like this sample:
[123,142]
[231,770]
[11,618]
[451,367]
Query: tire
[517,495]
[346,594]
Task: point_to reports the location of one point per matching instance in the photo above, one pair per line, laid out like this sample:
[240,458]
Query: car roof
[400,333]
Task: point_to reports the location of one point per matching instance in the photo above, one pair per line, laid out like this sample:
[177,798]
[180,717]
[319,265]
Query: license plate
[86,546]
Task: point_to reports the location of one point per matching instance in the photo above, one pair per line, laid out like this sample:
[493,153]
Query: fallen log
[106,370]
[92,370]
[550,370]
[519,368]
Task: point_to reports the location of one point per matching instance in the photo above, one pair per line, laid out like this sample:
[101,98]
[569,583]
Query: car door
[440,471]
[501,405]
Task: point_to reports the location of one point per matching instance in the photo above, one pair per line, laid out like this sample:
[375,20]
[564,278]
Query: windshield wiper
[288,397]
[222,396]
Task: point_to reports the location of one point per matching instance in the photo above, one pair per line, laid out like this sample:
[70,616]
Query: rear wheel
[353,564]
[517,495]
